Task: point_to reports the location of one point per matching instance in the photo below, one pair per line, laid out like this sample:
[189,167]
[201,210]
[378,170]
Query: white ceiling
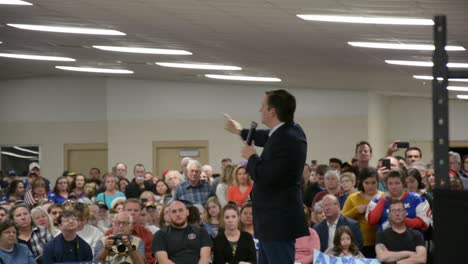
[264,37]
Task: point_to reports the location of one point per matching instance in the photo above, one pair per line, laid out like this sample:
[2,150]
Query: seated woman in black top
[232,245]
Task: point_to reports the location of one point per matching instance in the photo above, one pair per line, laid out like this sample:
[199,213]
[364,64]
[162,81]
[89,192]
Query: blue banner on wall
[322,258]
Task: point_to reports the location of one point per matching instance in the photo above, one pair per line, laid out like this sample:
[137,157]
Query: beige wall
[130,114]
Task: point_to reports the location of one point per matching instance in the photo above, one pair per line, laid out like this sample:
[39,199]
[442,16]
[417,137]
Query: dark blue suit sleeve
[260,136]
[357,234]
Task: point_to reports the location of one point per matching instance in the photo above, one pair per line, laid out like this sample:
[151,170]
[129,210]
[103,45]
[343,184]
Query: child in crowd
[344,244]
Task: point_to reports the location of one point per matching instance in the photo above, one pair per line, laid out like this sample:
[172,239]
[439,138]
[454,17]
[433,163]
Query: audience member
[180,242]
[239,192]
[333,219]
[138,184]
[418,209]
[232,245]
[335,164]
[110,192]
[33,236]
[193,189]
[315,185]
[163,193]
[173,179]
[60,191]
[10,250]
[356,205]
[41,218]
[120,246]
[344,244]
[87,232]
[16,191]
[399,244]
[68,246]
[306,245]
[317,214]
[226,181]
[213,215]
[120,171]
[37,195]
[3,214]
[332,186]
[77,186]
[363,154]
[133,207]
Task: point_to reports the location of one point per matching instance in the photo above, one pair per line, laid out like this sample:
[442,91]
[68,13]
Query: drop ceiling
[264,37]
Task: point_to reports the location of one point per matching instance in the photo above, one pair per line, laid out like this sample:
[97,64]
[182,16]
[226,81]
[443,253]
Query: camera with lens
[119,244]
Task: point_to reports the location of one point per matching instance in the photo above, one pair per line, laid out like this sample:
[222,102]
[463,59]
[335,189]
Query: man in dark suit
[333,219]
[278,212]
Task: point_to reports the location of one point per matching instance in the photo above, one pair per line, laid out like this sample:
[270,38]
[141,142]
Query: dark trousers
[276,252]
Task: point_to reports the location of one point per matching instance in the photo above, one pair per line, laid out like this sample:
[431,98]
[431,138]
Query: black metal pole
[440,103]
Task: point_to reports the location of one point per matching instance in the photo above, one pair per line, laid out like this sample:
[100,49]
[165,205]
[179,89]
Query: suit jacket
[278,213]
[322,231]
[223,252]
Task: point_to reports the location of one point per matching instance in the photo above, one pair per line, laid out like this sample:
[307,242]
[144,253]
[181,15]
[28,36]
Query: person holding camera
[67,247]
[120,247]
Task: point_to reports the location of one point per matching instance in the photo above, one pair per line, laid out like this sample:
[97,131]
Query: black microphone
[251,133]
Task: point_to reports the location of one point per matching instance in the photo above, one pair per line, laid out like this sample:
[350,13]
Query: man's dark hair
[413,148]
[133,200]
[335,160]
[361,143]
[96,169]
[226,159]
[322,169]
[7,224]
[284,104]
[194,215]
[53,206]
[66,213]
[396,201]
[396,173]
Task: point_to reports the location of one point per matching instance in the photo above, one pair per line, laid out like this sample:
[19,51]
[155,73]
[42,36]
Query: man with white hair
[208,170]
[183,166]
[193,189]
[121,246]
[332,186]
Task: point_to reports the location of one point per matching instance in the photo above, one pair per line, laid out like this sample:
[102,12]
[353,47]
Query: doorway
[167,154]
[80,158]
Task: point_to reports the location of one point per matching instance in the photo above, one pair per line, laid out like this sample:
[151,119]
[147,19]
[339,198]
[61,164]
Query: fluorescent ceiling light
[462,96]
[457,88]
[144,50]
[429,78]
[410,63]
[73,30]
[17,155]
[95,70]
[243,78]
[35,57]
[426,77]
[425,63]
[199,66]
[368,20]
[14,2]
[401,46]
[26,150]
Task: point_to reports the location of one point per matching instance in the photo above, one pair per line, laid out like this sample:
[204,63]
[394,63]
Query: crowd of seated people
[353,209]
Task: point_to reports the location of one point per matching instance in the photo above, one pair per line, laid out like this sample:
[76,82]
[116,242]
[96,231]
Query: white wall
[130,114]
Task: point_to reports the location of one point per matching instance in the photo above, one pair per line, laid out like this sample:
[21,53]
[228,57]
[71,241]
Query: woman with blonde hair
[242,187]
[224,184]
[41,218]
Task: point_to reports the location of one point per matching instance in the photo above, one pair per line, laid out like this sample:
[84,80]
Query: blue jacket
[20,255]
[322,231]
[56,252]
